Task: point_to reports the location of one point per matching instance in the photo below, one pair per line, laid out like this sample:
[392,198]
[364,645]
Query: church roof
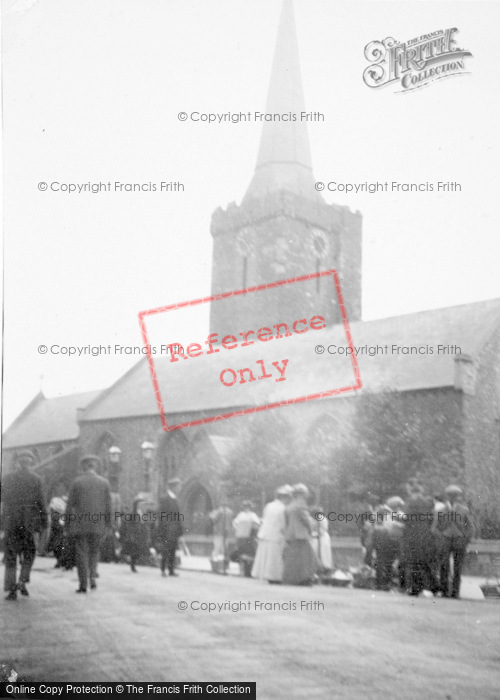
[194,386]
[46,420]
[284,158]
[224,447]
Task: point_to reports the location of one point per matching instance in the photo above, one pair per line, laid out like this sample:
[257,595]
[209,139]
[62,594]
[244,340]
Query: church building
[284,229]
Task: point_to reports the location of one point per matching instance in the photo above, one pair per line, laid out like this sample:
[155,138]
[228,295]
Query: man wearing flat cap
[23,514]
[89,516]
[169,527]
[454,528]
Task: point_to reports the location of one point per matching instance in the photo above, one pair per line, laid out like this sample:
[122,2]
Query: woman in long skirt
[299,560]
[268,563]
[322,543]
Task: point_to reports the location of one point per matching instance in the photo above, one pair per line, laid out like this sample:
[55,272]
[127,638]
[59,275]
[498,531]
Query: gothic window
[175,456]
[319,245]
[35,453]
[105,441]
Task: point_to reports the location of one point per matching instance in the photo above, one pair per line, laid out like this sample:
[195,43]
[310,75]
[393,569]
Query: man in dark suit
[454,528]
[418,542]
[23,514]
[89,516]
[169,527]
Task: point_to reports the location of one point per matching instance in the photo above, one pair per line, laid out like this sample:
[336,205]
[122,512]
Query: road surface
[319,642]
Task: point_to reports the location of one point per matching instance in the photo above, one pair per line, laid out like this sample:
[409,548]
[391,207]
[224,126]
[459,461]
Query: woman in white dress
[322,543]
[268,563]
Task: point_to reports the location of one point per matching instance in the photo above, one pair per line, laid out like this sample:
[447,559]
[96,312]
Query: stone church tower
[283,227]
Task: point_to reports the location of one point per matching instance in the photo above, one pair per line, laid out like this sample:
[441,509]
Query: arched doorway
[173,459]
[197,506]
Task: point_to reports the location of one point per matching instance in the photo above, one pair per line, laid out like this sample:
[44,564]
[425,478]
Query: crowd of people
[81,523]
[288,545]
[407,542]
[418,537]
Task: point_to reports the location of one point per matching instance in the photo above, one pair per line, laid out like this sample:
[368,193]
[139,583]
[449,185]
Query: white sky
[92,89]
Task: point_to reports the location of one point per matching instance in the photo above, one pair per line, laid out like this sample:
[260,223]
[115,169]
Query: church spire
[284,159]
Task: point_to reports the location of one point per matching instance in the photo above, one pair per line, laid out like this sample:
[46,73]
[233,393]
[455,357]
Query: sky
[92,90]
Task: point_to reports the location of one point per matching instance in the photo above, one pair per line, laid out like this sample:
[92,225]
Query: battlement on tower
[325,216]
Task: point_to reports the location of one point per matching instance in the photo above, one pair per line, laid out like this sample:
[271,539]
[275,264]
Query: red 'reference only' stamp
[222,374]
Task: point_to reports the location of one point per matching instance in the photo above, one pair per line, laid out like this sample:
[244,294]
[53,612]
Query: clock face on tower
[319,243]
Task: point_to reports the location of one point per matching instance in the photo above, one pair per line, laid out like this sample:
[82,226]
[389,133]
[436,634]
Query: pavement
[469,589]
[202,564]
[319,642]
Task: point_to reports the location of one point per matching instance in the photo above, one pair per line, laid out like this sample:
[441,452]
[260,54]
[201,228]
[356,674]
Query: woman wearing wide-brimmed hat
[268,564]
[299,560]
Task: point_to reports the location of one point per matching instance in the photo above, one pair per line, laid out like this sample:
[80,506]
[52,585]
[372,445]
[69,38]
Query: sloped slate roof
[194,385]
[223,446]
[47,420]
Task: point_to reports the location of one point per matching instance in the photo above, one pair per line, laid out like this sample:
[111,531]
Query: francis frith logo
[415,63]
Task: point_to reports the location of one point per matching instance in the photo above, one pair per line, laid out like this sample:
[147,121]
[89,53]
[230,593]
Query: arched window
[320,247]
[102,445]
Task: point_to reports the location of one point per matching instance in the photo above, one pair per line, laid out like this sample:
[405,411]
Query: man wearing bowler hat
[23,514]
[169,527]
[89,515]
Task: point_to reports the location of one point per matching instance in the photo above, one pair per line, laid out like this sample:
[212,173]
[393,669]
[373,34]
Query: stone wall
[482,431]
[281,237]
[187,454]
[128,434]
[438,417]
[321,427]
